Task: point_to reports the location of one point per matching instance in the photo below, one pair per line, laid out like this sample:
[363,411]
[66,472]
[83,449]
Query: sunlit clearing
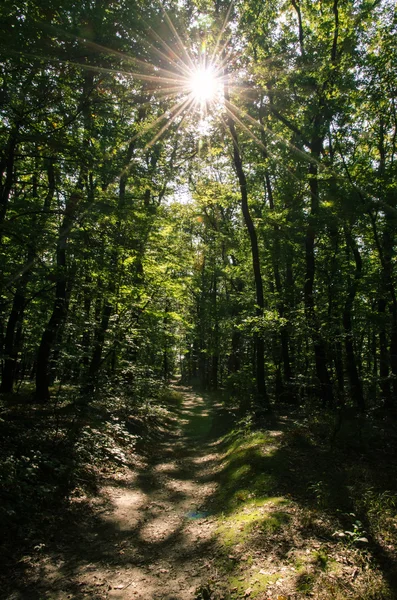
[204,85]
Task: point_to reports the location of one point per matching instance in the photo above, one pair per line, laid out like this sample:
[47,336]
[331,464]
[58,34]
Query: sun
[204,85]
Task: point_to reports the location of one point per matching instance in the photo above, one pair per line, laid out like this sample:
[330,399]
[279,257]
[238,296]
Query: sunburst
[205,85]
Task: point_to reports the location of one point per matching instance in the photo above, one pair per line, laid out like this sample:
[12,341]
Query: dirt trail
[155,538]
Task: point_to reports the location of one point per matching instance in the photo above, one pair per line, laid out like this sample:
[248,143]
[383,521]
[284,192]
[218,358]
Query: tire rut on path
[155,539]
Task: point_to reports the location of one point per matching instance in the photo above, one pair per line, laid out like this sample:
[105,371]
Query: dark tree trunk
[59,310]
[98,343]
[14,323]
[284,388]
[385,251]
[215,342]
[351,363]
[10,346]
[384,373]
[258,338]
[7,174]
[320,353]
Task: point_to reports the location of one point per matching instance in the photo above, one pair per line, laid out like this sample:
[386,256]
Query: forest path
[155,537]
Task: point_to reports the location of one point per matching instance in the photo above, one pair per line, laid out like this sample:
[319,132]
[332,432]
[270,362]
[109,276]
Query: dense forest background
[251,247]
[241,242]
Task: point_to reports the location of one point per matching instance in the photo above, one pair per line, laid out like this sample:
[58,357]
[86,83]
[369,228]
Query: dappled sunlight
[246,518]
[153,529]
[158,528]
[126,507]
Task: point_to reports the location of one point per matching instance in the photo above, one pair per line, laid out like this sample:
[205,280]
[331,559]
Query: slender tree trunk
[98,343]
[351,363]
[14,323]
[10,347]
[258,337]
[7,174]
[320,354]
[59,310]
[385,251]
[215,343]
[284,387]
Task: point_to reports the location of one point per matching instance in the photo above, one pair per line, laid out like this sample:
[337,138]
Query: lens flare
[204,85]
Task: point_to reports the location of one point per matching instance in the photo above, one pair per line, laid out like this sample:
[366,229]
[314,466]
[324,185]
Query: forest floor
[206,511]
[147,534]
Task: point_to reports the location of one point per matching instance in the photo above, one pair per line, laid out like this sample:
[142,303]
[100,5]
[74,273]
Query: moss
[305,582]
[257,582]
[321,559]
[249,472]
[254,516]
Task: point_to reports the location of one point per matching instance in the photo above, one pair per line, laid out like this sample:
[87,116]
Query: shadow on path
[149,538]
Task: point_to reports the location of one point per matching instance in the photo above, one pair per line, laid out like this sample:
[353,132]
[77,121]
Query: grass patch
[305,583]
[248,471]
[251,586]
[170,398]
[254,516]
[288,493]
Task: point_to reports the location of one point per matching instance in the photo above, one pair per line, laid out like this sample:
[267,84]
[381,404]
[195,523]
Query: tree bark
[258,337]
[320,354]
[351,363]
[59,311]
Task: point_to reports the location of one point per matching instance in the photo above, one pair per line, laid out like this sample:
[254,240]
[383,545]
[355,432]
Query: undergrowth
[53,457]
[307,509]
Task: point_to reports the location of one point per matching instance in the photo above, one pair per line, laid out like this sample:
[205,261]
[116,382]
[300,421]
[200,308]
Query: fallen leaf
[247,592]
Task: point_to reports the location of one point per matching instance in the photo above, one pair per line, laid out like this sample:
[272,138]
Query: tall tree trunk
[285,387]
[7,162]
[258,337]
[59,310]
[320,353]
[10,346]
[14,323]
[351,363]
[215,342]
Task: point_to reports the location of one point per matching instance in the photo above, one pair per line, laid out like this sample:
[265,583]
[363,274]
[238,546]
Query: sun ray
[181,67]
[243,126]
[72,63]
[155,68]
[133,59]
[172,92]
[89,43]
[152,124]
[181,107]
[172,76]
[259,142]
[181,84]
[223,28]
[180,43]
[116,53]
[185,105]
[285,142]
[282,140]
[224,59]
